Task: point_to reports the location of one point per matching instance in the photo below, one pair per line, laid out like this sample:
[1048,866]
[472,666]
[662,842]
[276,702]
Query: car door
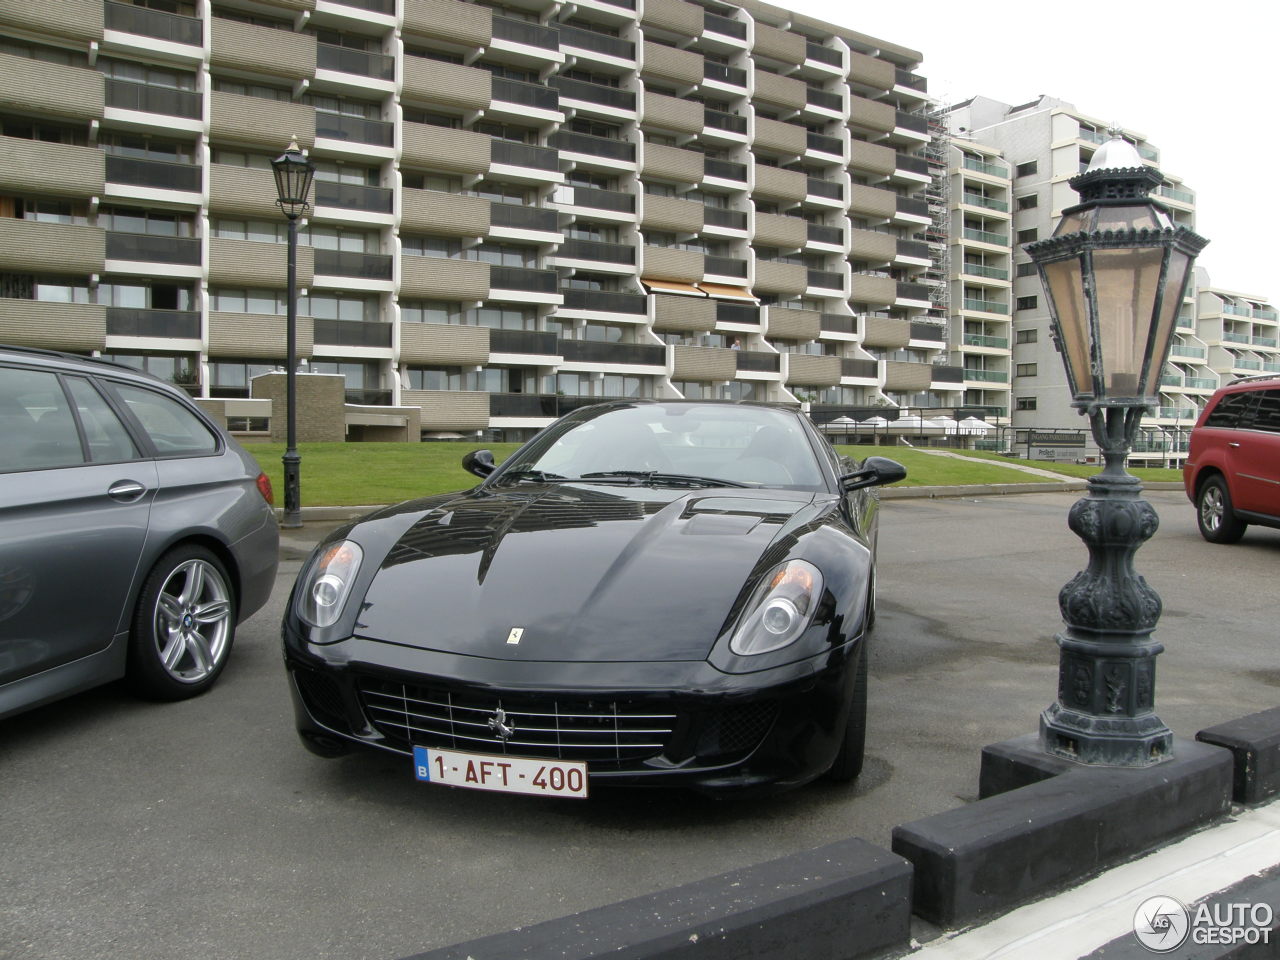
[1254,457]
[74,501]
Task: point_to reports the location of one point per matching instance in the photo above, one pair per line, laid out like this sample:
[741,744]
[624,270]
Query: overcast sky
[1199,82]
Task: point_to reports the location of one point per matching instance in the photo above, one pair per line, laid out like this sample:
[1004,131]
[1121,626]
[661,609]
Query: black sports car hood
[577,573]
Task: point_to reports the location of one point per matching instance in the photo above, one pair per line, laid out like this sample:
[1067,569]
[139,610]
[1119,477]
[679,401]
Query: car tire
[1217,520]
[183,626]
[849,758]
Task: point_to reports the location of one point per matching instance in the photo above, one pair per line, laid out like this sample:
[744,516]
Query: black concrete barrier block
[845,900]
[1254,742]
[1021,844]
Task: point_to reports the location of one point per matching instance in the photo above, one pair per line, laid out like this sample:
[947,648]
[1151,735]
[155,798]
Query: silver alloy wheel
[1211,507]
[192,621]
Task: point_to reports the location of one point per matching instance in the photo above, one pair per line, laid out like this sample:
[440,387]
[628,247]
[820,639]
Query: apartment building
[1039,146]
[1241,332]
[518,208]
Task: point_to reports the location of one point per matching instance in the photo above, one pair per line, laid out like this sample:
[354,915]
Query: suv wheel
[1218,522]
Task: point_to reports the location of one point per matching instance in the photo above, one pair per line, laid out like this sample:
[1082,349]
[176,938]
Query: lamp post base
[291,519]
[1105,741]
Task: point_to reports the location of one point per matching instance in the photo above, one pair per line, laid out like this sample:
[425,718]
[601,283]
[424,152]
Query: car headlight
[779,609]
[328,583]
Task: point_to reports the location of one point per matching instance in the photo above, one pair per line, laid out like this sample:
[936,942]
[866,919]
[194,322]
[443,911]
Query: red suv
[1232,473]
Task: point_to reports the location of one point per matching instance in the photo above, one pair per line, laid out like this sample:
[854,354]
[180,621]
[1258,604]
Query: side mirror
[479,462]
[875,472]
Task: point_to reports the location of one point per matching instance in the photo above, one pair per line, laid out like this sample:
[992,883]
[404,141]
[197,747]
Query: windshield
[742,445]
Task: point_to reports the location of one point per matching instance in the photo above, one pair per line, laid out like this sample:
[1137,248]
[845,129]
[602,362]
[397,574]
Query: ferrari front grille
[561,729]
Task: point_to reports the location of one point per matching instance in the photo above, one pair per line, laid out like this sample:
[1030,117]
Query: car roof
[75,361]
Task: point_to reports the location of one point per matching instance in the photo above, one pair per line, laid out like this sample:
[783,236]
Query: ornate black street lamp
[1115,272]
[293,171]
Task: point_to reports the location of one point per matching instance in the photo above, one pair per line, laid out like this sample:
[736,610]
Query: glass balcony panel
[363,63]
[153,173]
[526,94]
[337,126]
[129,322]
[353,196]
[594,93]
[522,31]
[351,333]
[153,23]
[605,301]
[347,263]
[523,341]
[724,26]
[524,218]
[725,266]
[726,170]
[596,42]
[523,278]
[150,248]
[128,95]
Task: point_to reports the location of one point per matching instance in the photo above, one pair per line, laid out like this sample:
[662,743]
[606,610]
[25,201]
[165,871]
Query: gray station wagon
[134,533]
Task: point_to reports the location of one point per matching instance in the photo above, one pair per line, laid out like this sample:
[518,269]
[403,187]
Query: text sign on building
[1043,438]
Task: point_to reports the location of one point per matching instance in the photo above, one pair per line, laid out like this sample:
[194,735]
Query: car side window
[1231,411]
[109,441]
[36,425]
[1267,416]
[174,429]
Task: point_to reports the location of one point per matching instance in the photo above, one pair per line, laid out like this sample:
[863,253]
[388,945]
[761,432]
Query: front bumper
[779,727]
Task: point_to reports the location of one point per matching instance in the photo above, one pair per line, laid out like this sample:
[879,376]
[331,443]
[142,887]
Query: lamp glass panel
[1125,285]
[1179,267]
[1064,280]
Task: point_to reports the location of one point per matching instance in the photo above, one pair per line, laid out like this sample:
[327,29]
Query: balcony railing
[835,323]
[909,121]
[733,76]
[813,51]
[725,170]
[982,166]
[523,341]
[606,301]
[129,322]
[1173,193]
[866,369]
[364,63]
[351,263]
[351,333]
[905,78]
[917,208]
[353,196]
[594,93]
[522,31]
[913,248]
[945,373]
[826,189]
[737,313]
[525,94]
[523,278]
[826,279]
[1263,341]
[986,236]
[1236,337]
[713,23]
[929,332]
[987,376]
[1236,311]
[982,270]
[525,155]
[824,99]
[756,360]
[912,291]
[593,146]
[152,23]
[1184,350]
[387,7]
[150,248]
[730,219]
[725,266]
[719,120]
[981,340]
[365,396]
[978,200]
[338,126]
[128,95]
[824,144]
[1262,314]
[820,233]
[596,42]
[524,405]
[160,174]
[524,218]
[987,306]
[911,164]
[597,351]
[597,250]
[613,200]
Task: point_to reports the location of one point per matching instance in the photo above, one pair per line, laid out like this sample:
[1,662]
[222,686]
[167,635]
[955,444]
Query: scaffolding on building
[938,196]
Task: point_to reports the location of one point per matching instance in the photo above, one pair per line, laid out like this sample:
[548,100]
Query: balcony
[526,155]
[1235,337]
[543,407]
[524,218]
[612,200]
[916,249]
[905,78]
[982,166]
[522,278]
[834,323]
[572,142]
[986,236]
[821,54]
[826,279]
[978,200]
[363,63]
[1173,193]
[726,170]
[757,361]
[596,351]
[822,188]
[945,373]
[823,144]
[737,313]
[148,248]
[929,332]
[912,291]
[912,206]
[724,26]
[987,376]
[718,120]
[606,301]
[1185,350]
[596,250]
[366,396]
[909,121]
[152,23]
[911,164]
[824,99]
[985,306]
[982,270]
[718,72]
[1264,341]
[819,233]
[128,95]
[596,42]
[153,173]
[523,32]
[353,196]
[611,97]
[526,94]
[385,7]
[725,266]
[864,369]
[347,263]
[529,342]
[176,324]
[337,126]
[729,219]
[351,333]
[980,340]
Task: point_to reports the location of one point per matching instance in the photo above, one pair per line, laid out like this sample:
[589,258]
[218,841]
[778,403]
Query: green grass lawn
[352,474]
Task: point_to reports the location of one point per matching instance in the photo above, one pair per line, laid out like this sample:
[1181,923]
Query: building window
[1028,303]
[343,306]
[1027,336]
[263,231]
[1024,403]
[179,369]
[1027,269]
[265,302]
[431,311]
[1025,370]
[1028,236]
[1026,169]
[1029,202]
[444,248]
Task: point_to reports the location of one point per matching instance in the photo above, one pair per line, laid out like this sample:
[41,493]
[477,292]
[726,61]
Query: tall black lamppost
[293,172]
[1115,272]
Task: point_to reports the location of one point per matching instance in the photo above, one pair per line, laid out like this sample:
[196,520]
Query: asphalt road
[202,829]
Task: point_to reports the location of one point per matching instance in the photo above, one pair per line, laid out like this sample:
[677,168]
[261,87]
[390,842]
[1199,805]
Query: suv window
[174,429]
[36,423]
[1267,416]
[1232,411]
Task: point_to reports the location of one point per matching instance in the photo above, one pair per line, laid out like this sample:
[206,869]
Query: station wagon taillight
[264,488]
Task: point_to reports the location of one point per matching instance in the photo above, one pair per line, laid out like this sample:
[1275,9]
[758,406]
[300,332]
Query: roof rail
[1255,376]
[64,355]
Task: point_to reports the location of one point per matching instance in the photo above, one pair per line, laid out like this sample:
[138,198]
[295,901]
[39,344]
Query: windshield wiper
[533,476]
[652,477]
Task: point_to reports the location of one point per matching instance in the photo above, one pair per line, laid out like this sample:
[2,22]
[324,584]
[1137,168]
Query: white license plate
[481,771]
